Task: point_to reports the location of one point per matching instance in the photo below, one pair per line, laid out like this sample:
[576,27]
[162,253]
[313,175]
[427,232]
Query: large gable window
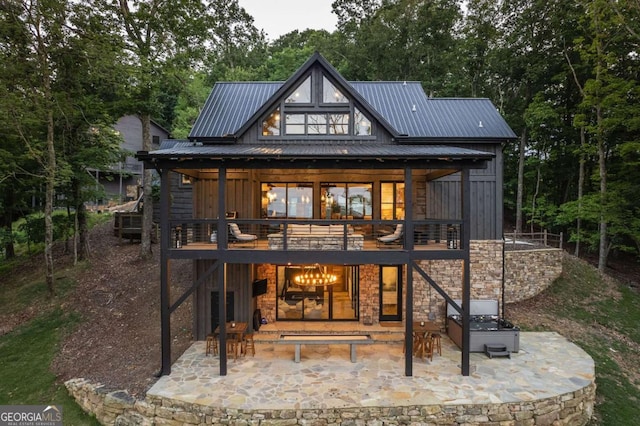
[301,94]
[316,107]
[330,94]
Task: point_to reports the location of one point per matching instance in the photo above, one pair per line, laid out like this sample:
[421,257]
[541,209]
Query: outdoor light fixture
[314,275]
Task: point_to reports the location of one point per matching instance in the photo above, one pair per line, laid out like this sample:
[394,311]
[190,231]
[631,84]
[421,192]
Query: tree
[606,101]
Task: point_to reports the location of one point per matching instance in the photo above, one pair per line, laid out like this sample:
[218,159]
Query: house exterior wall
[486,197]
[527,273]
[123,179]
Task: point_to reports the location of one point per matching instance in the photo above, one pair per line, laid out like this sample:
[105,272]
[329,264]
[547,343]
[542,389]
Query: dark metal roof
[229,106]
[404,105]
[311,150]
[411,112]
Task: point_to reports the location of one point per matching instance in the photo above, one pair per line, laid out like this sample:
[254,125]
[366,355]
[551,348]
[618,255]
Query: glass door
[390,293]
[298,301]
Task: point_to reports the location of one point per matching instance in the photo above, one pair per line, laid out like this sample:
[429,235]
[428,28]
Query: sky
[279,17]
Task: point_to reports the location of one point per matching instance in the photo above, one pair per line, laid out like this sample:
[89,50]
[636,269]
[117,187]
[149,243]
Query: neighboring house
[388,198]
[123,181]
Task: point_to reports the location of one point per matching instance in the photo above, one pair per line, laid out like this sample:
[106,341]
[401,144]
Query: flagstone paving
[546,365]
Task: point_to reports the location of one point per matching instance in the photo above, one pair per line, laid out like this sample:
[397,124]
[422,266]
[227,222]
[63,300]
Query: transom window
[316,107]
[316,124]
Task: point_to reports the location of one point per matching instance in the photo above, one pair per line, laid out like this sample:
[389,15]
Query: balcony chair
[238,237]
[394,238]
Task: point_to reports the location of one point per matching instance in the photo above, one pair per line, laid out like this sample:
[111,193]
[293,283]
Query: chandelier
[314,275]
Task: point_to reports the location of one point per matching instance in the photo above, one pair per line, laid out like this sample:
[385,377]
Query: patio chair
[238,237]
[394,238]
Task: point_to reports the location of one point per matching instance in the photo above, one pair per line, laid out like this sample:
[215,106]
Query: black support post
[408,244]
[165,295]
[222,285]
[466,269]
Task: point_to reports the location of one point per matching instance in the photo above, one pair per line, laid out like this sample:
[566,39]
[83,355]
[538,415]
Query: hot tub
[485,327]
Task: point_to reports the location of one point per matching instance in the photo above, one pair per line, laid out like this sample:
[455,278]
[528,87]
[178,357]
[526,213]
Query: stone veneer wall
[486,279]
[121,409]
[528,272]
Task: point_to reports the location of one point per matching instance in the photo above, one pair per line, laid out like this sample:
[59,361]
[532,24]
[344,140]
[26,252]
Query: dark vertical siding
[239,279]
[444,200]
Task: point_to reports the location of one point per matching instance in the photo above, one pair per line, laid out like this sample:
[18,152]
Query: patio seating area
[326,379]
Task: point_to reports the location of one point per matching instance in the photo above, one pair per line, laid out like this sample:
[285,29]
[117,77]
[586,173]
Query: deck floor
[325,378]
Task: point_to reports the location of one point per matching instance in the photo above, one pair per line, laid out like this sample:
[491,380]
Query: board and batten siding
[443,197]
[239,279]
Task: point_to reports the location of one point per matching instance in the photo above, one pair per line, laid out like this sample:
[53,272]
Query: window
[339,124]
[295,124]
[361,125]
[345,201]
[287,200]
[330,94]
[271,126]
[301,94]
[392,200]
[316,107]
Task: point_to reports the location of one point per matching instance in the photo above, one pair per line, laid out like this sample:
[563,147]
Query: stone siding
[121,409]
[526,273]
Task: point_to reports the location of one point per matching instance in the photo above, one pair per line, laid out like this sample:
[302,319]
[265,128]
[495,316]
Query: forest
[563,73]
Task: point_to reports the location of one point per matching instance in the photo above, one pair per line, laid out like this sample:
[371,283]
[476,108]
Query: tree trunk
[147,200]
[519,195]
[583,144]
[81,250]
[6,222]
[602,165]
[49,197]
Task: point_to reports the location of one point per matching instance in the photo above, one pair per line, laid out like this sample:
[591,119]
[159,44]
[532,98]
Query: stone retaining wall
[121,409]
[529,272]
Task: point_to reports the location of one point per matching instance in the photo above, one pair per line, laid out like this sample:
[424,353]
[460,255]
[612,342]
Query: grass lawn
[604,318]
[25,356]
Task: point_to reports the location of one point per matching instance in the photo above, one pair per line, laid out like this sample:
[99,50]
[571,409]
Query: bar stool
[232,345]
[437,342]
[212,344]
[248,344]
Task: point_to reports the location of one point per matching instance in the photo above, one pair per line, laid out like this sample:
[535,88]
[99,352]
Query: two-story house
[321,199]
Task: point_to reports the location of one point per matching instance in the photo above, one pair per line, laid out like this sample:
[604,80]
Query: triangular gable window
[301,94]
[316,108]
[330,94]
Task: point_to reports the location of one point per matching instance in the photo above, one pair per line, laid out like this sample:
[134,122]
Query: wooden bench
[325,339]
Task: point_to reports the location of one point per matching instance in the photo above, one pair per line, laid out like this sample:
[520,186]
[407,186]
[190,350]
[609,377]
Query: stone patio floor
[546,365]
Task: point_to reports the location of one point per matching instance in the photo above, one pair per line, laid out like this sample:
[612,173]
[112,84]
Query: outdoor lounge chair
[394,238]
[238,237]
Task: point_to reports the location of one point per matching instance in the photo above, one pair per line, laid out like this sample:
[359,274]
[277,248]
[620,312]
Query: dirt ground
[118,296]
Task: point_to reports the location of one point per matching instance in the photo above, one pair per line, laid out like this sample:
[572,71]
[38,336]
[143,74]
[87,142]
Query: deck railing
[287,234]
[528,240]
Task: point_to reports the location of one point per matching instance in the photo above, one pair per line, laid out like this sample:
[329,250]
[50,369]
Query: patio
[547,368]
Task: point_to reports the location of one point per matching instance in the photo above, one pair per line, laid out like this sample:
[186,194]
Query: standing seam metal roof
[403,104]
[304,149]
